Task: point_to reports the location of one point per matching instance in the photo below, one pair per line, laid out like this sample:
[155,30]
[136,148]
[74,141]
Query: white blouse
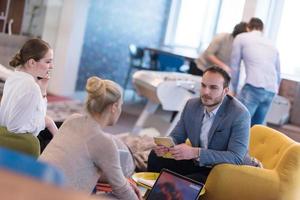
[23,109]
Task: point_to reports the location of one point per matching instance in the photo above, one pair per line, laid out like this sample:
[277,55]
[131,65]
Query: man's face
[212,90]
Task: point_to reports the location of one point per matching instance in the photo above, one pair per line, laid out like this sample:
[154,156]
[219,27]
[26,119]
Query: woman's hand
[136,190]
[50,125]
[43,83]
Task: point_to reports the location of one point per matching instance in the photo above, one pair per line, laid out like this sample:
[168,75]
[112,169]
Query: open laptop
[170,185]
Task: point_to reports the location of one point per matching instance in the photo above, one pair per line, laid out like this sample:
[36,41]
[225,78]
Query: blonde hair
[32,49]
[101,93]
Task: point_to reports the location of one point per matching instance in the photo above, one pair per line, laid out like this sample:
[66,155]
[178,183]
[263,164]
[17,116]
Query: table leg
[148,110]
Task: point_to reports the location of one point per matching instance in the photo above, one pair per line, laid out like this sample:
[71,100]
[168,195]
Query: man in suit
[217,126]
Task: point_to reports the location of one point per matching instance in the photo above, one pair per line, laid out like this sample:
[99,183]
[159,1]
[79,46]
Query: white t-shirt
[23,109]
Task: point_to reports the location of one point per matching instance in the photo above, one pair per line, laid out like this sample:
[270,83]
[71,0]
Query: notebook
[170,185]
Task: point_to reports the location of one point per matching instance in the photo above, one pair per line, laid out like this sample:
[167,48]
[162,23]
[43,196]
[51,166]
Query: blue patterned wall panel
[111,26]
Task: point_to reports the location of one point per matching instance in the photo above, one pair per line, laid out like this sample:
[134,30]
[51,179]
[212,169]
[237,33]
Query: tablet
[170,185]
[164,141]
[167,142]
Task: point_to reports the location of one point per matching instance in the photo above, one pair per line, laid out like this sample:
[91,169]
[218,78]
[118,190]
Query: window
[278,17]
[288,40]
[190,23]
[227,18]
[193,23]
[269,11]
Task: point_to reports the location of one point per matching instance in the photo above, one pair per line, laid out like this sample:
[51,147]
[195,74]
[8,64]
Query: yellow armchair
[278,180]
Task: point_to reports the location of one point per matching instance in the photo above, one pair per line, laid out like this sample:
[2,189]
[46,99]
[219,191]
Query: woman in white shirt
[84,152]
[24,103]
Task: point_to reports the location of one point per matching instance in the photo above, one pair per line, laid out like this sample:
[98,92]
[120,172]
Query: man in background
[218,52]
[262,67]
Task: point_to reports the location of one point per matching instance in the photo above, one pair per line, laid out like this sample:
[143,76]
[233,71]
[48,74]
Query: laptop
[172,186]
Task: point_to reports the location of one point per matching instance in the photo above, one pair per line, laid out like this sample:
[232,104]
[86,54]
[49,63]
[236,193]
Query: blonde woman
[84,152]
[24,103]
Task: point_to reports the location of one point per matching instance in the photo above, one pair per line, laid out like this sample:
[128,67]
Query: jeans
[257,100]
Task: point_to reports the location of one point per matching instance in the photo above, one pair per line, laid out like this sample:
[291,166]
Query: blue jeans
[257,100]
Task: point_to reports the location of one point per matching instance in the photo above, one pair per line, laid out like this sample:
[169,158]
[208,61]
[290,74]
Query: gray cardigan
[85,153]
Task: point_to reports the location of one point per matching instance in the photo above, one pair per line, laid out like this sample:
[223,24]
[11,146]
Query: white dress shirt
[207,122]
[23,109]
[261,60]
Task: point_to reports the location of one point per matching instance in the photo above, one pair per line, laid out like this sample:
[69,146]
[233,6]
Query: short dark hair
[239,28]
[255,23]
[222,72]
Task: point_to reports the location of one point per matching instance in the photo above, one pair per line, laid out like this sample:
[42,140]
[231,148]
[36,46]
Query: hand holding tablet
[167,142]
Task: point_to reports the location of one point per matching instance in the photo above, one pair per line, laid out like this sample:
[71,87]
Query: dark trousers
[45,136]
[194,69]
[184,167]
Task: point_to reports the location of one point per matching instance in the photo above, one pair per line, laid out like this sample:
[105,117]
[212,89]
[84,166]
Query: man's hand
[184,152]
[160,150]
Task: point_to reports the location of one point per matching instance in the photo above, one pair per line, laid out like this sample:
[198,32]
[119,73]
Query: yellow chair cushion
[278,180]
[268,145]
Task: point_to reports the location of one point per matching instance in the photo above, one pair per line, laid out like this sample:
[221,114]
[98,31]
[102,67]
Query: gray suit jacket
[228,137]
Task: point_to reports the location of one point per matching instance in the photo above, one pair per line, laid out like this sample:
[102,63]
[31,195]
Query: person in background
[219,51]
[262,66]
[217,126]
[24,103]
[84,152]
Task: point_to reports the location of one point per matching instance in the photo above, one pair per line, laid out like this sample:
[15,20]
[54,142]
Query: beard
[210,102]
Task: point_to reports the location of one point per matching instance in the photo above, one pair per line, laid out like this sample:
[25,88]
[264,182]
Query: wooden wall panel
[16,11]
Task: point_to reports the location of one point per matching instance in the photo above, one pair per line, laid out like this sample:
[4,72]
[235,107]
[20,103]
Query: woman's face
[43,67]
[115,112]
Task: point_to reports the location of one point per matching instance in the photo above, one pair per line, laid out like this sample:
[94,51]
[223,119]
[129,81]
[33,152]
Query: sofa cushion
[268,147]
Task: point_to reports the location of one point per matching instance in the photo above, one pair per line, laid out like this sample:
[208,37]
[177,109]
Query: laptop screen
[171,186]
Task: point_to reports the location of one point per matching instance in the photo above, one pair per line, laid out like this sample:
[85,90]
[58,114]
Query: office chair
[27,165]
[170,63]
[137,61]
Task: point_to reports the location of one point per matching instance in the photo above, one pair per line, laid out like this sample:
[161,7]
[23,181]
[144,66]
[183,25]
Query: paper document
[146,182]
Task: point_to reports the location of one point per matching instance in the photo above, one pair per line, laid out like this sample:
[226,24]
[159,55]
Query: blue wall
[111,26]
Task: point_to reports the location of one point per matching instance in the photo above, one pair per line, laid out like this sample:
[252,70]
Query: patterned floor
[60,110]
